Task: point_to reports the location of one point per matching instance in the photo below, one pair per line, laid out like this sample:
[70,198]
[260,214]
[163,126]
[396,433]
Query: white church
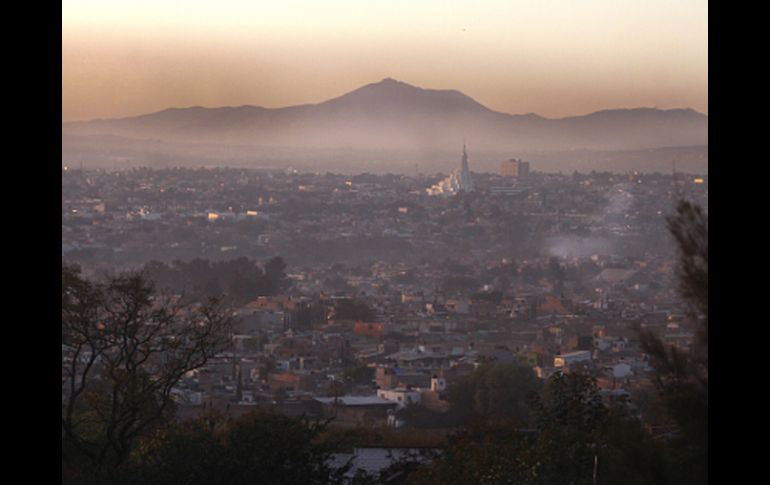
[458,180]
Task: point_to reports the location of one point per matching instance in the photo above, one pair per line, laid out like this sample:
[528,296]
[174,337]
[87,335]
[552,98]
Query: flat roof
[356,401]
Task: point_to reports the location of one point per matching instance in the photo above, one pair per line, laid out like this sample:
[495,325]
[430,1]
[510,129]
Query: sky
[555,58]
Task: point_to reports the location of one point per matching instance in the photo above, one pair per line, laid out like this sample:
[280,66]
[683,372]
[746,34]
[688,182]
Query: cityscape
[392,290]
[267,281]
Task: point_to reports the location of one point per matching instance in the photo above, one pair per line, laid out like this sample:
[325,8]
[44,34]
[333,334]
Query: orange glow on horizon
[557,59]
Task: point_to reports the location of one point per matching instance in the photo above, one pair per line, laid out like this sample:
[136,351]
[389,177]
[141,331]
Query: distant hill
[385,118]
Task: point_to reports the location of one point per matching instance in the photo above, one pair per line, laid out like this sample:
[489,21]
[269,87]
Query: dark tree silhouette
[259,447]
[681,377]
[237,281]
[494,391]
[353,309]
[123,350]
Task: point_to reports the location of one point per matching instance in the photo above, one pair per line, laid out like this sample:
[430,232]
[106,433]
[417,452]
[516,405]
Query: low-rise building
[568,359]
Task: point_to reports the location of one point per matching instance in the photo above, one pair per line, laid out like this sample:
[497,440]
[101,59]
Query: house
[252,320]
[552,306]
[374,462]
[404,396]
[292,381]
[393,377]
[422,357]
[529,359]
[571,358]
[457,306]
[385,377]
[357,410]
[615,276]
[369,329]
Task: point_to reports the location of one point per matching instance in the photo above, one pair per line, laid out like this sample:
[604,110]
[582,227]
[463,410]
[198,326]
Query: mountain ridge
[393,115]
[387,82]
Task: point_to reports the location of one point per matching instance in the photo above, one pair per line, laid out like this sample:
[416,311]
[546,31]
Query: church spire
[466,183]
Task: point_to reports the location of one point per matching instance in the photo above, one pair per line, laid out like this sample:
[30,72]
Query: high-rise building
[514,168]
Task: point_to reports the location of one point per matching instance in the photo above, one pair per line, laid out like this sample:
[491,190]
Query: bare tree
[124,348]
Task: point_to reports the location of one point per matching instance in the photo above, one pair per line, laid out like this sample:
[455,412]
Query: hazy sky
[551,57]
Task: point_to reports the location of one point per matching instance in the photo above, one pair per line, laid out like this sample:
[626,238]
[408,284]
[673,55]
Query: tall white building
[458,180]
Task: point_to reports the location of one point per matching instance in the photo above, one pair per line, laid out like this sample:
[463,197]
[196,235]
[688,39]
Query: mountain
[393,116]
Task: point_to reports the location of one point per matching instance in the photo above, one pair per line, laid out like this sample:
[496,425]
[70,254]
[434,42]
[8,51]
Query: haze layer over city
[384,242]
